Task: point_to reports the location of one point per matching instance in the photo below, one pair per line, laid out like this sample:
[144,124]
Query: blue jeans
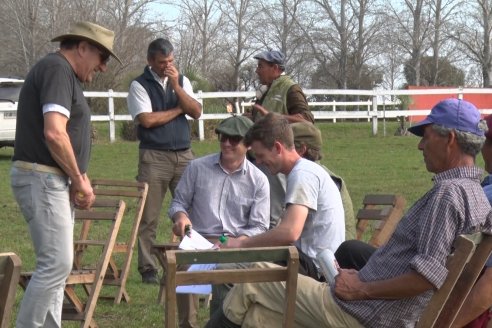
[44,201]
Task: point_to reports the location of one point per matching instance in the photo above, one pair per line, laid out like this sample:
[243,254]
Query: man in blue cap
[278,93]
[397,282]
[220,194]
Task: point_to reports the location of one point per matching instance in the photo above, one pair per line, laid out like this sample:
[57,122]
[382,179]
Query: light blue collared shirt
[218,202]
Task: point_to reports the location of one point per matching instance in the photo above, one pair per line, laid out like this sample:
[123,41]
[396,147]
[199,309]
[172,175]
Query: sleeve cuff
[430,269]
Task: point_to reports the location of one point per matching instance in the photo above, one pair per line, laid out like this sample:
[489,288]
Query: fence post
[374,114]
[334,109]
[201,128]
[111,116]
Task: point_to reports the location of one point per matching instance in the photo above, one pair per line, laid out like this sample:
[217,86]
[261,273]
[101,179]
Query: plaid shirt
[421,242]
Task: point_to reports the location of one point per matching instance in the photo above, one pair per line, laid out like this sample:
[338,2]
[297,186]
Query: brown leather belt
[38,168]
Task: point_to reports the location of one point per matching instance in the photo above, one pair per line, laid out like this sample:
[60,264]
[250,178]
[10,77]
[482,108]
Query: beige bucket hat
[91,32]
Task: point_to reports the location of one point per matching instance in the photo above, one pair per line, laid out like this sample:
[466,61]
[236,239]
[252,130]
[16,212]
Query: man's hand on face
[172,73]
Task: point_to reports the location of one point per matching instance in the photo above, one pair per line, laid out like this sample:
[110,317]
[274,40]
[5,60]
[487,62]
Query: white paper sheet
[194,242]
[197,289]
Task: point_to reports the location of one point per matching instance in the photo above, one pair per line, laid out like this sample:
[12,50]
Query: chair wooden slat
[134,193]
[10,268]
[159,251]
[75,306]
[464,266]
[381,212]
[176,278]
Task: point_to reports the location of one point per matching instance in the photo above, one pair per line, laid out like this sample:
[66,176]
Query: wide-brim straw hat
[93,33]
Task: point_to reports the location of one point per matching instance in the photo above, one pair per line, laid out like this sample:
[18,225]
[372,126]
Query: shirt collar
[157,77]
[467,172]
[242,169]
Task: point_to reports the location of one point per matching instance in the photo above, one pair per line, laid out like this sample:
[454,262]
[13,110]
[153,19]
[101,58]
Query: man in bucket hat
[278,93]
[49,171]
[398,280]
[222,193]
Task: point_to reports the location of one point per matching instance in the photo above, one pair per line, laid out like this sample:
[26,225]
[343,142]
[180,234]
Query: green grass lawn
[369,164]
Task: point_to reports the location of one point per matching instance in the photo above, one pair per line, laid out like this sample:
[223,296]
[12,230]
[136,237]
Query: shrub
[129,131]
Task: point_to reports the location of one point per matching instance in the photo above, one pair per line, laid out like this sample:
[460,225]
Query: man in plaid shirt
[397,282]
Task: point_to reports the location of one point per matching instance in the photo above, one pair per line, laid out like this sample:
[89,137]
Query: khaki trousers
[161,170]
[258,305]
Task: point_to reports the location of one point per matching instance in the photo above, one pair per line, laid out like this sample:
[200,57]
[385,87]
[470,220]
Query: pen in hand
[188,230]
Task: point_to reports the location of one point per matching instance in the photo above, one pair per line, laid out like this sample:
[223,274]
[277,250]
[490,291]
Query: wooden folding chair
[97,241]
[159,251]
[272,254]
[383,212]
[92,279]
[10,268]
[464,266]
[134,194]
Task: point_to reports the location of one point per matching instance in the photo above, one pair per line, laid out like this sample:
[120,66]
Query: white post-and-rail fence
[374,108]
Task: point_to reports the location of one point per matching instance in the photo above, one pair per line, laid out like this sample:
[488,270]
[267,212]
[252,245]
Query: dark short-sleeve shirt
[52,81]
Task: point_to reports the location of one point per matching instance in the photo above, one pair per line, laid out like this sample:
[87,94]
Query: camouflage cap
[307,133]
[234,126]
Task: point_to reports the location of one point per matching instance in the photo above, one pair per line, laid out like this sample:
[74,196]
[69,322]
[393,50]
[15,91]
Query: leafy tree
[366,77]
[447,74]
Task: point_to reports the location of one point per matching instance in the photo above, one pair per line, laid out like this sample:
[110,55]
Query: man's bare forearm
[153,119]
[348,286]
[189,105]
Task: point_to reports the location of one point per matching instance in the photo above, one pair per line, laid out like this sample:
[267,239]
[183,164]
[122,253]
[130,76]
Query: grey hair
[159,46]
[469,143]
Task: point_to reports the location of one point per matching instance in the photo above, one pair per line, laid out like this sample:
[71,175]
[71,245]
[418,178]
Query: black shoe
[150,277]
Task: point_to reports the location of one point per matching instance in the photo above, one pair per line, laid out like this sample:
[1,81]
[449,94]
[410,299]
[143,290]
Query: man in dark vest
[159,101]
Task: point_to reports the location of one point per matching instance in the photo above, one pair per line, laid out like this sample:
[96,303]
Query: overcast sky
[168,12]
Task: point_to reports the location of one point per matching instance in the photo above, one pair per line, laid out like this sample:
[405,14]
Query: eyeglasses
[233,140]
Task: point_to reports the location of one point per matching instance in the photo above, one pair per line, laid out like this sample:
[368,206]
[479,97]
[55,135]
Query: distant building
[425,102]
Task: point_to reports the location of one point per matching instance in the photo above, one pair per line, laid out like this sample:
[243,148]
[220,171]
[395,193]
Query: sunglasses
[103,54]
[233,140]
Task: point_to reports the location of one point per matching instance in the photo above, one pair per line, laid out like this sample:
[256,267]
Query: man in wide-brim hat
[51,156]
[94,34]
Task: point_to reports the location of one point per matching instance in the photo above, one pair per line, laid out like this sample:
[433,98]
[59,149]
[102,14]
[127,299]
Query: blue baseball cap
[454,114]
[272,56]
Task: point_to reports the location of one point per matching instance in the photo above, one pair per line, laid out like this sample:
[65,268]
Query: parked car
[9,97]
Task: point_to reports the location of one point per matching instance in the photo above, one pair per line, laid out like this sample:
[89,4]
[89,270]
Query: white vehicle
[9,97]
